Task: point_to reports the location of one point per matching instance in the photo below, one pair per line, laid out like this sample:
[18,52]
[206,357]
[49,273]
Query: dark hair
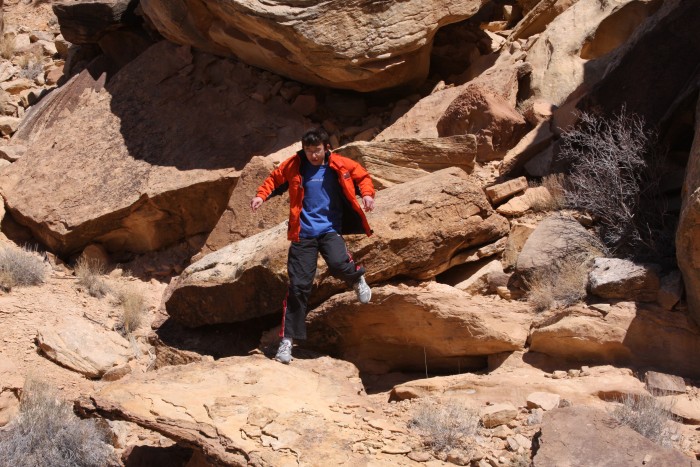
[315,137]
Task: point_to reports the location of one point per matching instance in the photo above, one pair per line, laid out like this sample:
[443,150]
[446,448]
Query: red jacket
[351,177]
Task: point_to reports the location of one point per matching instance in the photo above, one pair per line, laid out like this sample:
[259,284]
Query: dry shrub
[46,432]
[7,46]
[88,272]
[561,285]
[616,167]
[21,267]
[133,309]
[647,416]
[445,426]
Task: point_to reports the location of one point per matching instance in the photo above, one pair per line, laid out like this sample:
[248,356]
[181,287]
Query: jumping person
[322,206]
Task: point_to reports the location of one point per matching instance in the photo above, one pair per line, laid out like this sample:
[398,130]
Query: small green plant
[445,426]
[47,432]
[133,310]
[21,267]
[647,416]
[88,272]
[560,285]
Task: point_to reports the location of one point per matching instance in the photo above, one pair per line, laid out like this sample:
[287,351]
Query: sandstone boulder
[156,153]
[668,74]
[10,389]
[670,289]
[88,22]
[572,53]
[628,334]
[502,72]
[684,407]
[400,160]
[505,190]
[242,410]
[512,383]
[543,400]
[363,45]
[554,239]
[12,153]
[238,222]
[494,122]
[474,278]
[407,328]
[688,233]
[623,279]
[420,121]
[84,347]
[497,414]
[602,442]
[532,144]
[661,383]
[248,279]
[538,17]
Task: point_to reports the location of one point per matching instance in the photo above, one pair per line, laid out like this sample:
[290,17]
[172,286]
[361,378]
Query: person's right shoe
[364,293]
[284,352]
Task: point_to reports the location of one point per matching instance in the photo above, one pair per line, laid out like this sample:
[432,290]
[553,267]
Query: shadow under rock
[217,340]
[188,109]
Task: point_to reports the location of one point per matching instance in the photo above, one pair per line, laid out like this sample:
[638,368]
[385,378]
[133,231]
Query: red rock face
[363,45]
[481,112]
[147,160]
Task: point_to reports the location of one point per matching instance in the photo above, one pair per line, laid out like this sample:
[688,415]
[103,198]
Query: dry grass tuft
[21,267]
[47,432]
[88,272]
[560,285]
[133,307]
[551,198]
[7,46]
[647,416]
[445,426]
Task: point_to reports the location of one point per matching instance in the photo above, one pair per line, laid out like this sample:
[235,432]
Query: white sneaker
[364,293]
[284,352]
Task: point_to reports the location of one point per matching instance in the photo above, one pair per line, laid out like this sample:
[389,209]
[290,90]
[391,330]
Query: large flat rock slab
[148,160]
[84,347]
[406,328]
[581,436]
[363,45]
[253,410]
[515,380]
[420,229]
[399,160]
[625,334]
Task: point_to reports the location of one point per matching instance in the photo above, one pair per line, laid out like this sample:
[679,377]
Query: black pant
[301,268]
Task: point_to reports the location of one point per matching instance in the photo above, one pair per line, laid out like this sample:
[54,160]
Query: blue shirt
[322,209]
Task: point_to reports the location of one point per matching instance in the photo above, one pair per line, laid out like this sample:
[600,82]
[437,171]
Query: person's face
[315,154]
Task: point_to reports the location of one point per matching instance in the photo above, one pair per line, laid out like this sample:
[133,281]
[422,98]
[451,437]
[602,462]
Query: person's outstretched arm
[271,184]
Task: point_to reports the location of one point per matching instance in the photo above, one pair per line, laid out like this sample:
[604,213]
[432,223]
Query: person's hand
[255,203]
[368,203]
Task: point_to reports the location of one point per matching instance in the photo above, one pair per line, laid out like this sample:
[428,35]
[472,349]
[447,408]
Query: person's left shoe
[284,352]
[364,293]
